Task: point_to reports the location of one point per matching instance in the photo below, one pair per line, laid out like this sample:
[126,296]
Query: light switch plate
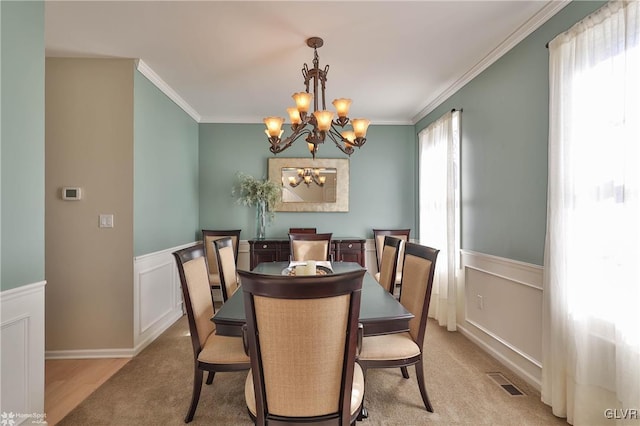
[106,221]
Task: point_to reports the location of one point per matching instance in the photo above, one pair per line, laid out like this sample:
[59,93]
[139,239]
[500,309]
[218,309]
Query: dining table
[380,311]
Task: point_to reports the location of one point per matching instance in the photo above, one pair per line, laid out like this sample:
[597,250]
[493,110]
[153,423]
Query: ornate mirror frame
[342,183]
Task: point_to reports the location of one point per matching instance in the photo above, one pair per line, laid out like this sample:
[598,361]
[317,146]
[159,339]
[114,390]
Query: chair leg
[197,386]
[210,377]
[423,389]
[405,372]
[364,414]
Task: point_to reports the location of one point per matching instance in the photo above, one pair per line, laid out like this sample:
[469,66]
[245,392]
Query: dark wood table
[380,312]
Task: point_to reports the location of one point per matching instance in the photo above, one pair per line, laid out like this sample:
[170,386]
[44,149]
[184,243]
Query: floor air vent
[505,384]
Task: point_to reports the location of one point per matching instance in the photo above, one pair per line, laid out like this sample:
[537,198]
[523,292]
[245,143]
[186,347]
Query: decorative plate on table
[320,270]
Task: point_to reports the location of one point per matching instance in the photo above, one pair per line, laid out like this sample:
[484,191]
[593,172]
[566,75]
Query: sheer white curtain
[591,328]
[440,210]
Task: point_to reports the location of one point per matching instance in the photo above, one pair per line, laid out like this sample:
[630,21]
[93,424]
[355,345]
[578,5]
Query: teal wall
[184,171]
[504,146]
[165,171]
[22,144]
[382,181]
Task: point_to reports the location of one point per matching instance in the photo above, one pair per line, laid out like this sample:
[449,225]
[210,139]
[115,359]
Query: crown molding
[166,89]
[254,120]
[546,13]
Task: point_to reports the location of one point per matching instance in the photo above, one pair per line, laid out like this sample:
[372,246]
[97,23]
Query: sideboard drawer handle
[264,246]
[350,245]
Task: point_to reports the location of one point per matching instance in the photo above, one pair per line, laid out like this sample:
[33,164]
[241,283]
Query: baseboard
[160,328]
[508,361]
[90,354]
[116,353]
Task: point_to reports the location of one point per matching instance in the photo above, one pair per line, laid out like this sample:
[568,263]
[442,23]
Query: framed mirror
[308,185]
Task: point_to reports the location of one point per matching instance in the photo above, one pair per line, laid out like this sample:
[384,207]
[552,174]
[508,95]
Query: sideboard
[277,250]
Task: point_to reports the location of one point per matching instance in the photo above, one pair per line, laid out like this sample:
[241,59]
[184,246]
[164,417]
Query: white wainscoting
[244,257]
[157,296]
[22,342]
[503,311]
[370,261]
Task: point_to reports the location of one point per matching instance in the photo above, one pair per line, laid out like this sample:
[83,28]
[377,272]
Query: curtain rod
[454,110]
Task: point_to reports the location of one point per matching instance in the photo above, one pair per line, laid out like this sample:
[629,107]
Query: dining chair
[226,261]
[310,246]
[390,252]
[302,230]
[302,335]
[378,241]
[209,236]
[211,352]
[405,349]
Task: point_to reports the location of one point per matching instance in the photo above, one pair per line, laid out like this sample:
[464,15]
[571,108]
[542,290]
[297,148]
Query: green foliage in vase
[250,191]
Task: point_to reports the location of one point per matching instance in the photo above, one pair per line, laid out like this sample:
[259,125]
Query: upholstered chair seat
[223,350]
[388,346]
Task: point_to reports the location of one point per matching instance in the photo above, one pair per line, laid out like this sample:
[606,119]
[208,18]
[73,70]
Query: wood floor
[68,382]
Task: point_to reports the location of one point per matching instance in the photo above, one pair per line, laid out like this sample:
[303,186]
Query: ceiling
[240,61]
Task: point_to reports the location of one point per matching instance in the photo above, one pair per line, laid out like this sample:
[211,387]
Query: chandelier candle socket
[316,126]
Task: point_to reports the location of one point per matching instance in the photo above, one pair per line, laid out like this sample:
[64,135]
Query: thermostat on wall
[71,193]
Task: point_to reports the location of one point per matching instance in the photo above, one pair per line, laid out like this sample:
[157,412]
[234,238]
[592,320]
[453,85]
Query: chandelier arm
[278,145]
[335,136]
[357,142]
[340,121]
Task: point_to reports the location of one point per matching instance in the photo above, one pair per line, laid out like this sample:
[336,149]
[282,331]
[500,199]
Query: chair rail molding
[502,311]
[22,342]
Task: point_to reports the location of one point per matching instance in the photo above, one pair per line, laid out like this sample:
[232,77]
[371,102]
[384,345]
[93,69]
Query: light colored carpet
[155,388]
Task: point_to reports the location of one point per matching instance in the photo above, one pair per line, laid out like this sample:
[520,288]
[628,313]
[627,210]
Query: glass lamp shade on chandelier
[318,125]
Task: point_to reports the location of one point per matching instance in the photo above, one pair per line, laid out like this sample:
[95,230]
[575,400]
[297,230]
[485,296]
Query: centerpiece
[261,193]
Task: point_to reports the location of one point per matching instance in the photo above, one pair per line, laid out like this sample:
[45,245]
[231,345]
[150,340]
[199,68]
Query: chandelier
[307,176]
[318,125]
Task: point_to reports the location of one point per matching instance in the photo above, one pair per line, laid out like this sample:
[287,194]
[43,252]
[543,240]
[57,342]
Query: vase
[261,219]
